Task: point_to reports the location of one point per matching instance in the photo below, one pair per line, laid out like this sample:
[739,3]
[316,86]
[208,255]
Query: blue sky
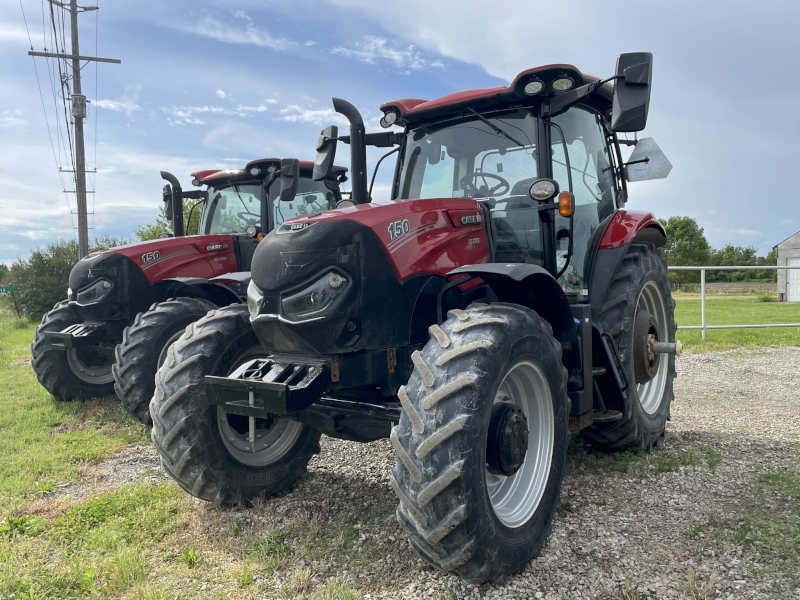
[208,84]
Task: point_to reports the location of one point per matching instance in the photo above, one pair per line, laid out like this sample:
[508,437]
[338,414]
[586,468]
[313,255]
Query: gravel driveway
[654,525]
[713,513]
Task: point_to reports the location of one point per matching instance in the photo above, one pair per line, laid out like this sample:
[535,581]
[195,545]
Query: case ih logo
[213,247]
[297,226]
[470,219]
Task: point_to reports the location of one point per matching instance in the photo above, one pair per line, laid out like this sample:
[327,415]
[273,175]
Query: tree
[42,279]
[686,246]
[3,271]
[161,225]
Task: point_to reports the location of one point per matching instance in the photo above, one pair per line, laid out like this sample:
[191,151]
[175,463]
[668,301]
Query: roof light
[255,171]
[271,170]
[533,87]
[562,84]
[388,119]
[196,182]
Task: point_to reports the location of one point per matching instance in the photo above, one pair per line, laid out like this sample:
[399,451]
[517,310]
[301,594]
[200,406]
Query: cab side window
[593,185]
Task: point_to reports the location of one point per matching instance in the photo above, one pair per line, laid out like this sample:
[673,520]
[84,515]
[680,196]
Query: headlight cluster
[254,299]
[317,299]
[94,293]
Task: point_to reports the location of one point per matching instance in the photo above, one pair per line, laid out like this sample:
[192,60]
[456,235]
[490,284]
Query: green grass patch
[44,442]
[739,310]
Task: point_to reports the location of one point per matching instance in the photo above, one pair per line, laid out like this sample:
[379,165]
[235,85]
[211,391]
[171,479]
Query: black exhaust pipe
[358,150]
[177,203]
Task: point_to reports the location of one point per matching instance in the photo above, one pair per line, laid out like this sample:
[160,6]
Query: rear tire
[74,374]
[460,518]
[187,432]
[143,350]
[640,283]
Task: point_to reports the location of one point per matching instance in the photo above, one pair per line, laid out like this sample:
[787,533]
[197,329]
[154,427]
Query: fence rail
[703,327]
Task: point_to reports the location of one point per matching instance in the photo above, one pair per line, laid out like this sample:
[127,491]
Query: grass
[724,309]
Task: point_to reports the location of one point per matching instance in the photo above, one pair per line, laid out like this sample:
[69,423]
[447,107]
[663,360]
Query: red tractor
[503,299]
[126,305]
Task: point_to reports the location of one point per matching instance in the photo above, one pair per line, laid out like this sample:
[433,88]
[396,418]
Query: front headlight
[318,299]
[254,299]
[94,293]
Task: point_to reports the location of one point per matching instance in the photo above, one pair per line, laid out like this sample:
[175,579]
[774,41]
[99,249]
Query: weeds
[189,558]
[246,577]
[713,457]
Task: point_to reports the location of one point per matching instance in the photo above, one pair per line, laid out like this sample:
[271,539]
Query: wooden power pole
[78,115]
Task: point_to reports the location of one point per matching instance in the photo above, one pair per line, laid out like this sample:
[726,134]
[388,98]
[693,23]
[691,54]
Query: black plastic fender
[534,287]
[216,292]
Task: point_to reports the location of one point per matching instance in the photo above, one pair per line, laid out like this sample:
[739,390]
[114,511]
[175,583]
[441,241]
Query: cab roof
[410,110]
[209,176]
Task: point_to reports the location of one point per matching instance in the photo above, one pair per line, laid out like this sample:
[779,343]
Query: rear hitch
[266,387]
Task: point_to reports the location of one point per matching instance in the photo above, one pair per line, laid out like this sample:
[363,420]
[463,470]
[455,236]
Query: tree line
[687,246]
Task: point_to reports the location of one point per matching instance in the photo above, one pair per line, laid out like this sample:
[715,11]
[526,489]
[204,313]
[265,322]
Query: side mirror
[166,196]
[290,172]
[632,91]
[326,153]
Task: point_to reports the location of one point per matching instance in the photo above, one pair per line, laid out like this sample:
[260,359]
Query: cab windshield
[231,209]
[311,197]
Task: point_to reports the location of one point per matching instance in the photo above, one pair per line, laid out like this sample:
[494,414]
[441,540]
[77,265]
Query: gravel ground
[631,527]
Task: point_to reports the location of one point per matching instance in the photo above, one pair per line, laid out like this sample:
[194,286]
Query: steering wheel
[242,216]
[473,190]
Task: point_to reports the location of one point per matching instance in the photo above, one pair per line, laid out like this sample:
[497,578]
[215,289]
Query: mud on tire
[186,431]
[642,268]
[440,476]
[56,368]
[142,348]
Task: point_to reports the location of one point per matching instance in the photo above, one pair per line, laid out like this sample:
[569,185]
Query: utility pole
[78,115]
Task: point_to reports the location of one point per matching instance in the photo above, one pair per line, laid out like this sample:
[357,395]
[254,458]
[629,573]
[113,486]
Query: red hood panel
[419,235]
[204,256]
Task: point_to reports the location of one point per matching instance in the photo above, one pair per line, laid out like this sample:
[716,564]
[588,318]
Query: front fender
[216,292]
[535,288]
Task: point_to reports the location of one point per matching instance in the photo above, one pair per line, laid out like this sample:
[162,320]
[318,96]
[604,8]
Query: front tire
[143,350]
[459,516]
[640,284]
[73,374]
[188,432]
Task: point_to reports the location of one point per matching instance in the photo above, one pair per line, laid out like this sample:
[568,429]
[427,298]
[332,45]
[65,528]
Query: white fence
[703,327]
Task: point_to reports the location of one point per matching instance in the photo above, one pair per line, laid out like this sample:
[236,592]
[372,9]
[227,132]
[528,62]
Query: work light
[562,84]
[533,87]
[388,119]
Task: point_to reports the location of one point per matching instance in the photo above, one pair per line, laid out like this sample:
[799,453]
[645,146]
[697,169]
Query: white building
[788,252]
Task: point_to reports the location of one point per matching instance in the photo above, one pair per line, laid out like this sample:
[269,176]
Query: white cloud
[310,43]
[128,104]
[9,33]
[11,118]
[248,36]
[240,14]
[221,94]
[326,116]
[185,112]
[271,101]
[371,50]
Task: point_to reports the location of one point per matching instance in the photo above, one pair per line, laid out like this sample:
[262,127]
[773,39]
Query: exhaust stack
[358,150]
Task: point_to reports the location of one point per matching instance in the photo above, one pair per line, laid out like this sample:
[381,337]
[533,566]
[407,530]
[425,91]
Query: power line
[46,120]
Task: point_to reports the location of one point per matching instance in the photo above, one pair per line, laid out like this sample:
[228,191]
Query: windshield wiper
[236,189]
[496,129]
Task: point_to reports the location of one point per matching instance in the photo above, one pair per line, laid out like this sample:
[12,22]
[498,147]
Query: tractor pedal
[607,416]
[597,371]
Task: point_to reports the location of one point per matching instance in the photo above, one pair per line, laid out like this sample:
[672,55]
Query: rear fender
[216,292]
[535,288]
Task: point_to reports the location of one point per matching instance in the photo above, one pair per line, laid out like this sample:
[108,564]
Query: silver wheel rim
[93,374]
[162,356]
[274,437]
[651,393]
[515,498]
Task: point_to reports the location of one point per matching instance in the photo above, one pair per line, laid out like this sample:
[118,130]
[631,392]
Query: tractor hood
[335,281]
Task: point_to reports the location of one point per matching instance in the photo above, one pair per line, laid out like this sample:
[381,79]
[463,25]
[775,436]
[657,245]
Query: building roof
[794,235]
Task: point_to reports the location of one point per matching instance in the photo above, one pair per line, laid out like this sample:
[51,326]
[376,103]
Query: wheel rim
[91,365]
[651,393]
[516,497]
[274,437]
[162,356]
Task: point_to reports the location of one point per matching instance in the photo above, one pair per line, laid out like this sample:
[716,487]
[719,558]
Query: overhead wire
[41,98]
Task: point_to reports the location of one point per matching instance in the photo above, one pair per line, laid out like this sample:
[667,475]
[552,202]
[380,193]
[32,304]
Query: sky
[207,84]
